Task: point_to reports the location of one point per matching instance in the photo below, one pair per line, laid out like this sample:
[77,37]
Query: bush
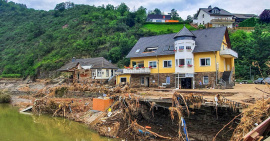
[251,22]
[4,97]
[11,75]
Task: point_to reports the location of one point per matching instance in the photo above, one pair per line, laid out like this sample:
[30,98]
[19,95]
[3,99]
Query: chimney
[73,59]
[209,7]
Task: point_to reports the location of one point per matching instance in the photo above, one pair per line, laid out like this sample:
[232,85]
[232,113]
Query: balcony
[228,53]
[215,21]
[136,71]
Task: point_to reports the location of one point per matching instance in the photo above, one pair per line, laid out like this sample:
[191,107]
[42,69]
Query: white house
[214,17]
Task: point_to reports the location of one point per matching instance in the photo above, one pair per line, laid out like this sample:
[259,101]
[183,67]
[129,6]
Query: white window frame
[205,62]
[99,72]
[181,59]
[191,61]
[188,48]
[207,78]
[167,64]
[107,73]
[182,47]
[152,66]
[94,73]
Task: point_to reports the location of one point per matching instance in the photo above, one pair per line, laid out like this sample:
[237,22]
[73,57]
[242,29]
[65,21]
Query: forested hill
[35,40]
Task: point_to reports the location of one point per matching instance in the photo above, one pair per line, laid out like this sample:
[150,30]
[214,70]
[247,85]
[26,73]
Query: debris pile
[251,117]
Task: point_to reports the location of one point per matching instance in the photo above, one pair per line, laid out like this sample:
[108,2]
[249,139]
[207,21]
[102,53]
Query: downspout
[158,69]
[216,68]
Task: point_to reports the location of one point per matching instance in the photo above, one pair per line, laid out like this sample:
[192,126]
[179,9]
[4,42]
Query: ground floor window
[142,80]
[99,72]
[168,79]
[107,73]
[205,80]
[123,79]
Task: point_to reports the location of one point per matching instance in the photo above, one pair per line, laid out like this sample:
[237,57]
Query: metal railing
[223,20]
[223,83]
[137,71]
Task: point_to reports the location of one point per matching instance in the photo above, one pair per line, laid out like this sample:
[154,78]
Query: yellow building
[185,60]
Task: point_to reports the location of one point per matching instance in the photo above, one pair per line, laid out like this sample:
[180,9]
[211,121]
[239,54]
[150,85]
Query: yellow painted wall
[118,77]
[198,68]
[224,42]
[159,65]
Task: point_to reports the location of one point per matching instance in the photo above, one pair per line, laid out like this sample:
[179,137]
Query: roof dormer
[215,10]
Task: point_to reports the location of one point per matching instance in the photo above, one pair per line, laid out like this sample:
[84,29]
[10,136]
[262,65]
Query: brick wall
[211,76]
[153,80]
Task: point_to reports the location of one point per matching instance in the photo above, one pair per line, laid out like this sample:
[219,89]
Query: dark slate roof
[96,63]
[244,16]
[165,44]
[184,32]
[209,39]
[206,40]
[222,12]
[152,16]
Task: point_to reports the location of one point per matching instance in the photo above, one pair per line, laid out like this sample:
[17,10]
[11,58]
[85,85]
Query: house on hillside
[159,18]
[181,60]
[214,17]
[241,17]
[89,69]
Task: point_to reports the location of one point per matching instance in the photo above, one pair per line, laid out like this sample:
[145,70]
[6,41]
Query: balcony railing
[137,71]
[222,20]
[228,53]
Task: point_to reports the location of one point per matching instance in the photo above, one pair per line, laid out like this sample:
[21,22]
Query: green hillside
[36,41]
[166,27]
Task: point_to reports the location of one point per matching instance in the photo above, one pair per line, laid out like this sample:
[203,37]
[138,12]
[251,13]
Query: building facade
[181,60]
[89,69]
[214,17]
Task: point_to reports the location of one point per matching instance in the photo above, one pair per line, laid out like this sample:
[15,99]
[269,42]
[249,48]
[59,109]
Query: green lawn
[167,28]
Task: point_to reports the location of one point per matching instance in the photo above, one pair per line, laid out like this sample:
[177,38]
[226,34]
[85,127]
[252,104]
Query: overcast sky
[183,7]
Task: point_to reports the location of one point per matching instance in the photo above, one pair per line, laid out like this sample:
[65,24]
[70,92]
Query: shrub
[11,75]
[4,97]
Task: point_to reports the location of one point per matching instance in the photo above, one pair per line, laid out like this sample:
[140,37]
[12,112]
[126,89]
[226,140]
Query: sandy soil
[240,92]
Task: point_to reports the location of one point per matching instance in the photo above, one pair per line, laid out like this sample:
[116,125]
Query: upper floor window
[205,61]
[203,16]
[189,61]
[181,47]
[151,49]
[153,64]
[188,47]
[181,62]
[167,64]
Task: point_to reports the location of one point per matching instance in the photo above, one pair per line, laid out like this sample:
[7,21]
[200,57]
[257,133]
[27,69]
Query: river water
[19,127]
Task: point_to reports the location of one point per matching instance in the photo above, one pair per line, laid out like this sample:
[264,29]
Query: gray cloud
[184,7]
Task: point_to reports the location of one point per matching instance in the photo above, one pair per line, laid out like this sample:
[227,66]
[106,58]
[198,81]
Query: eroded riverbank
[19,127]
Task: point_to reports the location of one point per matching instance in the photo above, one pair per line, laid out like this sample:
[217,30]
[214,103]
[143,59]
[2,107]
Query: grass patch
[166,28]
[5,97]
